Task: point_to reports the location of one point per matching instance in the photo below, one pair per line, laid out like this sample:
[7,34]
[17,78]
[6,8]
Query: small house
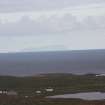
[4,92]
[49,90]
[26,96]
[1,92]
[38,92]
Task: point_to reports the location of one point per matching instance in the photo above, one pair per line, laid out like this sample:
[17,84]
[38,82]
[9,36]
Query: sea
[33,63]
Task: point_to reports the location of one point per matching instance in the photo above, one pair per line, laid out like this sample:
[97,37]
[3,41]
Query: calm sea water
[89,61]
[84,96]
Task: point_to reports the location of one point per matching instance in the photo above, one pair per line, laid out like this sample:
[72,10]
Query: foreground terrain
[27,89]
[4,100]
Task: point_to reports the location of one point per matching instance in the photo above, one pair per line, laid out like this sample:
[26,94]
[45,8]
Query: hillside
[61,83]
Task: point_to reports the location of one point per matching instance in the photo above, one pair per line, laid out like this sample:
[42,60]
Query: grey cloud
[94,22]
[51,25]
[31,5]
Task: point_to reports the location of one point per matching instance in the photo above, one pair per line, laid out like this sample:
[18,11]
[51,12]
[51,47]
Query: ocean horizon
[32,63]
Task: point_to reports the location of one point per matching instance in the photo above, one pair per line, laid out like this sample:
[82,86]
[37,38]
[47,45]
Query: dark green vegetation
[61,83]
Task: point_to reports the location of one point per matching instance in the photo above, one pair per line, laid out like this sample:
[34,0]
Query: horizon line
[10,52]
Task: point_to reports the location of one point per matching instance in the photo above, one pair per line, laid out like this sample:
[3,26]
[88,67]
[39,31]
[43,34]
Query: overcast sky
[46,25]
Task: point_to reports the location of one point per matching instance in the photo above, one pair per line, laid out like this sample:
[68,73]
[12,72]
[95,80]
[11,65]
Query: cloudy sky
[46,25]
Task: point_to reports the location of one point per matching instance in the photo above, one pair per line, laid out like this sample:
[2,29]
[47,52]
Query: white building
[49,90]
[26,96]
[38,92]
[1,92]
[4,92]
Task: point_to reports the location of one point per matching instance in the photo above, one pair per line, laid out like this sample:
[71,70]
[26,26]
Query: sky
[51,25]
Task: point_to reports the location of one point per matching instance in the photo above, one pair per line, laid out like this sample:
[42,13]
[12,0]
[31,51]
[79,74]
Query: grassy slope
[62,83]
